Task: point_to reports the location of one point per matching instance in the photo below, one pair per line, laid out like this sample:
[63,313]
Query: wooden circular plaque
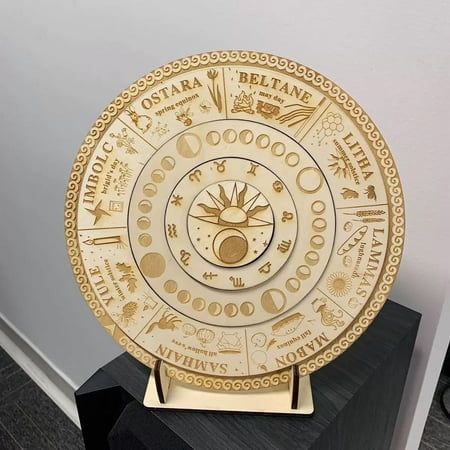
[234,213]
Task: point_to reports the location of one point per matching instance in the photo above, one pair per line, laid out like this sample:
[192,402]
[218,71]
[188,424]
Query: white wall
[61,62]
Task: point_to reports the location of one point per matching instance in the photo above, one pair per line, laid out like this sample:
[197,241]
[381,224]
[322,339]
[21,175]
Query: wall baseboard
[39,369]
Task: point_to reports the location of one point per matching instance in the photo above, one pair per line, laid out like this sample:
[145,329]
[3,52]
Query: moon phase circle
[153,265]
[232,224]
[230,246]
[189,145]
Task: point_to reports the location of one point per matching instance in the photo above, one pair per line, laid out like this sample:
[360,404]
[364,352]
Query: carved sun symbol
[235,222]
[339,284]
[234,211]
[339,166]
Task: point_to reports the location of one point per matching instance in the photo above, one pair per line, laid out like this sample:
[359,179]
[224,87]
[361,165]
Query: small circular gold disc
[233,214]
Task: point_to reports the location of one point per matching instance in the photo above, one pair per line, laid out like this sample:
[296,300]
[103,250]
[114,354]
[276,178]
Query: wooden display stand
[356,401]
[293,398]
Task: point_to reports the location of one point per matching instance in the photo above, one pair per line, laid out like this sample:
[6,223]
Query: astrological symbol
[220,167]
[184,257]
[284,246]
[106,240]
[252,169]
[209,275]
[287,216]
[195,175]
[176,200]
[237,282]
[265,268]
[277,186]
[172,230]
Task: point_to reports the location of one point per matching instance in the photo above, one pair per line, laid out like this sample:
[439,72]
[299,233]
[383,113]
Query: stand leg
[162,381]
[294,387]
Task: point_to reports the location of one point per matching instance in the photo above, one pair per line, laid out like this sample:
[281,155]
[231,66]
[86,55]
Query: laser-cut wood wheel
[234,213]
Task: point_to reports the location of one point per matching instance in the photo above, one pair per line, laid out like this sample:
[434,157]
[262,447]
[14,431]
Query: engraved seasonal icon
[328,316]
[214,90]
[141,121]
[230,223]
[167,321]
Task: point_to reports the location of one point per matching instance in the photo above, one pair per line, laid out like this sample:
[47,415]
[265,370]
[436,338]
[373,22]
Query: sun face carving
[230,223]
[236,210]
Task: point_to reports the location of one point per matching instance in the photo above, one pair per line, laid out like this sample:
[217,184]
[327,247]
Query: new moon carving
[233,214]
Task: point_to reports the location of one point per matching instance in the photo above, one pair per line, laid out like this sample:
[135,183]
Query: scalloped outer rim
[365,125]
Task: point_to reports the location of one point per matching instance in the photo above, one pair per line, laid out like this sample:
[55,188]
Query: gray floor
[437,429]
[28,418]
